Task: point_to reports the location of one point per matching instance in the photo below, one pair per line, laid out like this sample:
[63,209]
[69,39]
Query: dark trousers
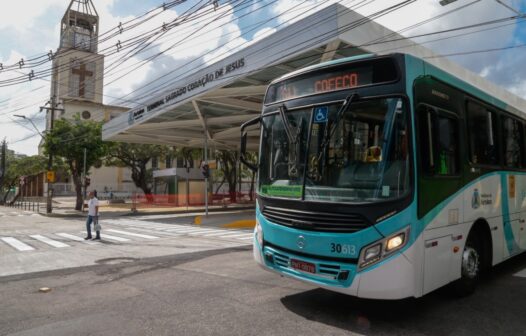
[91,219]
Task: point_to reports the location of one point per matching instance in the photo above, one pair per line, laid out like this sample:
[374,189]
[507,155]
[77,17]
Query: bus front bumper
[391,279]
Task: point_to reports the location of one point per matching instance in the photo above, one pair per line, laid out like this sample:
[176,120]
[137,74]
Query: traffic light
[205,170]
[87,181]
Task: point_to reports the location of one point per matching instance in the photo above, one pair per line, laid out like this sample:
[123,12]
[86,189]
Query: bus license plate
[303,266]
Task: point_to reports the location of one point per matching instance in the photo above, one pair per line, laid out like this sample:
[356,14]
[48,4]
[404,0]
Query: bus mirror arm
[244,136]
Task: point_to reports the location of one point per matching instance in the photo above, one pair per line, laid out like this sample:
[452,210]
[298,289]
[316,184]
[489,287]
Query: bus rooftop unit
[385,177]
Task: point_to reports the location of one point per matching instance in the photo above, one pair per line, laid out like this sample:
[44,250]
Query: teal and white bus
[386,177]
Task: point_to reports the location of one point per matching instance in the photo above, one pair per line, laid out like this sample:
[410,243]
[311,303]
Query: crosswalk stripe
[17,244]
[185,230]
[76,238]
[133,224]
[222,232]
[133,234]
[234,235]
[171,234]
[49,241]
[110,237]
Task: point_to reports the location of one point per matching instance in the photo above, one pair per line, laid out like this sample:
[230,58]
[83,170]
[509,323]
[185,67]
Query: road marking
[76,238]
[521,274]
[202,231]
[223,232]
[183,230]
[120,239]
[171,234]
[49,241]
[17,244]
[235,235]
[133,234]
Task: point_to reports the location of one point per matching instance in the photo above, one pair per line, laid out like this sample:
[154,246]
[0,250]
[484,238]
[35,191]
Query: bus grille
[315,221]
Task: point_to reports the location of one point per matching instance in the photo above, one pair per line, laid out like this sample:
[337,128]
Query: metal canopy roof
[216,100]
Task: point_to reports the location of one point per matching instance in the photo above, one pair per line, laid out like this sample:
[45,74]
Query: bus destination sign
[341,77]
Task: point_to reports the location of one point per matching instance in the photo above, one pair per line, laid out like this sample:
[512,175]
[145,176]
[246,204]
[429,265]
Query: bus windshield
[324,153]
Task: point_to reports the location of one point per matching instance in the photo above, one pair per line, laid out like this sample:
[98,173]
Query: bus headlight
[373,253]
[395,242]
[259,233]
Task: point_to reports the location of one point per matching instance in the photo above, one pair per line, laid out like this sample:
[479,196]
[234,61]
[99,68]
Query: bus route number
[343,248]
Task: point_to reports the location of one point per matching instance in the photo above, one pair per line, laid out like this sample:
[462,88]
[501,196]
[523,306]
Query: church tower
[77,88]
[78,69]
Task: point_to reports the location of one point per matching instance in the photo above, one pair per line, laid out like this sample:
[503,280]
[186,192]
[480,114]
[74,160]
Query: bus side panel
[482,201]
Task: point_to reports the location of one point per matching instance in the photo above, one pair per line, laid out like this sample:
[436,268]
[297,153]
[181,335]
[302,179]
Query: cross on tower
[83,73]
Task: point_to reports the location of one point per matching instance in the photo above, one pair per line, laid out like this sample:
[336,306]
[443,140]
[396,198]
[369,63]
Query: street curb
[139,213]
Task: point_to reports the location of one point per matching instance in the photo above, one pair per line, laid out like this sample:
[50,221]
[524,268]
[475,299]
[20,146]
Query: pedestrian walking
[93,216]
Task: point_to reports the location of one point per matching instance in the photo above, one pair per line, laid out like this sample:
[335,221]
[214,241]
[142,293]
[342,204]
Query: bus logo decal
[300,242]
[475,200]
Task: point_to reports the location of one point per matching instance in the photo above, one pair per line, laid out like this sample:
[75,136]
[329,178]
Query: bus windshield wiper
[293,140]
[328,134]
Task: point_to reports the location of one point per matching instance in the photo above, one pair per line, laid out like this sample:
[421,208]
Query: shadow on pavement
[496,308]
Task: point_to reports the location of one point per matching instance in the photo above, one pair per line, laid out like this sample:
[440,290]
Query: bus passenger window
[447,146]
[513,138]
[438,140]
[482,136]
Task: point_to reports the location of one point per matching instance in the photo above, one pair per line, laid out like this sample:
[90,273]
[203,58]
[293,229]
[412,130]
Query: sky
[30,31]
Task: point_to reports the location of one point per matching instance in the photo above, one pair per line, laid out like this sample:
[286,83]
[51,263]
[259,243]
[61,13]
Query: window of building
[180,162]
[438,140]
[168,161]
[86,115]
[513,141]
[481,135]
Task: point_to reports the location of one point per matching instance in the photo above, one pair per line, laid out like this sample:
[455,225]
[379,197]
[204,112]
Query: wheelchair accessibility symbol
[321,114]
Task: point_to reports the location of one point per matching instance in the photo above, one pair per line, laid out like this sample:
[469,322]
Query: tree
[136,157]
[246,172]
[228,160]
[16,167]
[68,139]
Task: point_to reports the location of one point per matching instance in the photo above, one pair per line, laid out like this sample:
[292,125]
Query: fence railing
[28,205]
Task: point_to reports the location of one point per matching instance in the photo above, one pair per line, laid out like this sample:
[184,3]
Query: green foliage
[68,139]
[136,157]
[17,167]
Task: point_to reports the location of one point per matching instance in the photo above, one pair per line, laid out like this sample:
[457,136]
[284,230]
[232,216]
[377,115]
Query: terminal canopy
[214,101]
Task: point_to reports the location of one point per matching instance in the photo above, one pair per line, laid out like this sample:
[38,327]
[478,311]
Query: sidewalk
[65,208]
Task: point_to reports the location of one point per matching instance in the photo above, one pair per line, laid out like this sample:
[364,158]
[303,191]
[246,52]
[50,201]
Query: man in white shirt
[93,215]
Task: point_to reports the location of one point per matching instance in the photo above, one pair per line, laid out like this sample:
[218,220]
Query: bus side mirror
[244,136]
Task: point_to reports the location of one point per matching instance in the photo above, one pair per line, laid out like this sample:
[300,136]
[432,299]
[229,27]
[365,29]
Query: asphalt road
[214,288]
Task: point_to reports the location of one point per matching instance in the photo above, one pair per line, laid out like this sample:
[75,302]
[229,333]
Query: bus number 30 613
[343,248]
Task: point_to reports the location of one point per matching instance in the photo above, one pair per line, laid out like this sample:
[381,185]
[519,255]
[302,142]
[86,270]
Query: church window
[86,115]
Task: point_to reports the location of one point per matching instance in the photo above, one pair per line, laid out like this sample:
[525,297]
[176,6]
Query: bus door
[439,177]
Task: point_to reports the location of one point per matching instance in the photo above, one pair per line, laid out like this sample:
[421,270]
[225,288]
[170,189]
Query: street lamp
[31,121]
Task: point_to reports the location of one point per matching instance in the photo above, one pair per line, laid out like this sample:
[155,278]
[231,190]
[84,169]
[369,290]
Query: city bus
[386,177]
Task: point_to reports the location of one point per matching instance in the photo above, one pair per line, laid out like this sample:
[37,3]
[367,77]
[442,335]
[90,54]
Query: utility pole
[84,175]
[51,110]
[2,164]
